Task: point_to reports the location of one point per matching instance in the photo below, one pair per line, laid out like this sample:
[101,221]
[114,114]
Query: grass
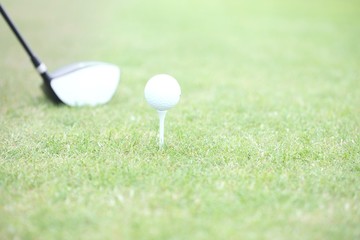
[264,143]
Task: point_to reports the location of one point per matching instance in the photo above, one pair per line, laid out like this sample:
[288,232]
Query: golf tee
[162,115]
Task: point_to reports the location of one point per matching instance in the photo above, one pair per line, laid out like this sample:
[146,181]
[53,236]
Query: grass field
[264,144]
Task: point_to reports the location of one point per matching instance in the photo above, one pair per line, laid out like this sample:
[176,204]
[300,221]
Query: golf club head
[83,84]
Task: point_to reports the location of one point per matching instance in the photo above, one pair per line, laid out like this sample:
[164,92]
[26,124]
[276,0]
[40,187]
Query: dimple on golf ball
[162,92]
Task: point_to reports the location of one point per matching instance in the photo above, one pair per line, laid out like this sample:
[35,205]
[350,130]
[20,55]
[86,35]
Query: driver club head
[79,84]
[83,84]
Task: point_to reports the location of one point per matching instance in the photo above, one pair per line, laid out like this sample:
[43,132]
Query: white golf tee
[162,115]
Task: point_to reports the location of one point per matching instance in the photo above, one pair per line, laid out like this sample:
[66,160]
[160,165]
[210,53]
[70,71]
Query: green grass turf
[264,143]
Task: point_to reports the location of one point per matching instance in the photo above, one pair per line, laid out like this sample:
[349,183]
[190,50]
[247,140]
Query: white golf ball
[162,92]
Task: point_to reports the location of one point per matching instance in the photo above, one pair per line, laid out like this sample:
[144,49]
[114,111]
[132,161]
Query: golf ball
[162,92]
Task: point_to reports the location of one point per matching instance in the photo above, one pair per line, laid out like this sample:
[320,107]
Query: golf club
[78,84]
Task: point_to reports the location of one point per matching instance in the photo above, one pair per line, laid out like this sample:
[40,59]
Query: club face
[85,84]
